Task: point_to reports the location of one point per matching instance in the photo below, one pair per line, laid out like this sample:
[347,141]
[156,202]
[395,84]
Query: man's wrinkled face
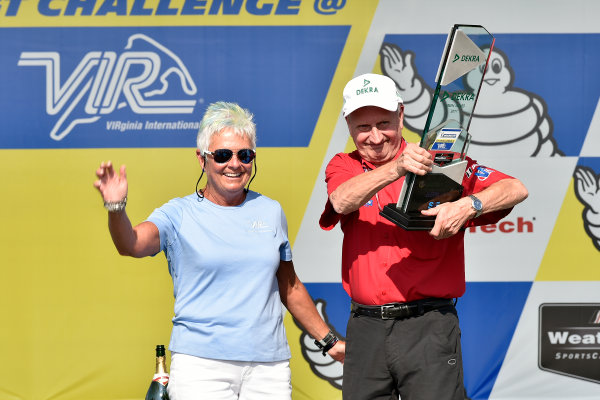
[377,133]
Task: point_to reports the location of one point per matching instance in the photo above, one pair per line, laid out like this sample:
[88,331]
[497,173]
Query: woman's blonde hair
[223,115]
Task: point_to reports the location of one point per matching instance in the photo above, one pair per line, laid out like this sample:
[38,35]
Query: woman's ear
[201,158]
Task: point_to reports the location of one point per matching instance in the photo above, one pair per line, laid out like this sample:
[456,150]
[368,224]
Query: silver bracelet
[116,206]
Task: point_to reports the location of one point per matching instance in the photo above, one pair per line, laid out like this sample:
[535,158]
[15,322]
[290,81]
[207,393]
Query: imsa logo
[569,340]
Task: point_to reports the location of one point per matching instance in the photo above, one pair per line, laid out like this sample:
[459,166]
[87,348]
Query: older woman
[230,260]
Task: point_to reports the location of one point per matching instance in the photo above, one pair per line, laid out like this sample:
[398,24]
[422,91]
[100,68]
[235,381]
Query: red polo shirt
[383,263]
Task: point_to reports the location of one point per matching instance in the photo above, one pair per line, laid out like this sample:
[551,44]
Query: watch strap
[327,342]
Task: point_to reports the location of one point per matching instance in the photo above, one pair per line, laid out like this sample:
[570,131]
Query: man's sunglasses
[221,156]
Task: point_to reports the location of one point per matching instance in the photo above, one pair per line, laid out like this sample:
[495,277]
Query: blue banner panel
[488,313]
[336,303]
[149,86]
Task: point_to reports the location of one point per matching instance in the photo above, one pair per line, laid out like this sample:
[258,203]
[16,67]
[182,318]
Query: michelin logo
[500,105]
[105,81]
[587,191]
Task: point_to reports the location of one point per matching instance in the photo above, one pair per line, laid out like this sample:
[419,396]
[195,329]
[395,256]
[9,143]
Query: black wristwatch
[327,342]
[477,205]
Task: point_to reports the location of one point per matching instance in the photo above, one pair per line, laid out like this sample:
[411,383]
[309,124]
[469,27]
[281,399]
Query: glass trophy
[459,78]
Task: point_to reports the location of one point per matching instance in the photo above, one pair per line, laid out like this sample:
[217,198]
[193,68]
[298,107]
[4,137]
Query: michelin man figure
[587,190]
[507,120]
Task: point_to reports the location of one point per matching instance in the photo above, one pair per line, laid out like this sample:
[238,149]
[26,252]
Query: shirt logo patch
[260,226]
[483,173]
[470,170]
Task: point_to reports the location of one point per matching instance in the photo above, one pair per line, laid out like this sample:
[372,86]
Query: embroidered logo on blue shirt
[259,226]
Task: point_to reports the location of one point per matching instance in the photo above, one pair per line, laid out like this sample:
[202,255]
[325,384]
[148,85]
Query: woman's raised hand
[111,185]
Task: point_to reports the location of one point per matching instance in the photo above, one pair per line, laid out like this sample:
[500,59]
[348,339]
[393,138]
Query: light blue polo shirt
[223,262]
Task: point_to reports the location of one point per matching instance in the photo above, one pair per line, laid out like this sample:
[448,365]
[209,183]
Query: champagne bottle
[158,387]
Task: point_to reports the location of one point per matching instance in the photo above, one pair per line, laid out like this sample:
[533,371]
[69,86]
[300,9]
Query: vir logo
[113,81]
[260,226]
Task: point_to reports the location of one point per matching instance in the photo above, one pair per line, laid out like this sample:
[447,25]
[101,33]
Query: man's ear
[401,115]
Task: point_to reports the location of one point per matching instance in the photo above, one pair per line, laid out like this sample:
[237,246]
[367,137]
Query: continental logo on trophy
[466,51]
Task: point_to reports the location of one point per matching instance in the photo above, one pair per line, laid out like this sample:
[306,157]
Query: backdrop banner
[128,81]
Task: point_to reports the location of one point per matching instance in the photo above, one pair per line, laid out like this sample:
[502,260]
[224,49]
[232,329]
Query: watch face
[476,203]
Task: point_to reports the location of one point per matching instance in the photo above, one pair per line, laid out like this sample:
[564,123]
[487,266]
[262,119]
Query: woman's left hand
[338,351]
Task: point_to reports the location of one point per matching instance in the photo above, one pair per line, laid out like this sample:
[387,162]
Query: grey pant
[418,358]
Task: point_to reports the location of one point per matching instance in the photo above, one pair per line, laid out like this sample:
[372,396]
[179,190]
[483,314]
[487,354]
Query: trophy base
[409,221]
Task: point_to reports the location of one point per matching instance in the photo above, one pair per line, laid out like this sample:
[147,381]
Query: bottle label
[162,379]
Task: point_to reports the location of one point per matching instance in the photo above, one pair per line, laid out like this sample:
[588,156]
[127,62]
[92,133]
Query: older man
[410,346]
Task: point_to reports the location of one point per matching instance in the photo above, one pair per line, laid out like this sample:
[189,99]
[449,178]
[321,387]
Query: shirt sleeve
[337,172]
[477,178]
[167,219]
[285,249]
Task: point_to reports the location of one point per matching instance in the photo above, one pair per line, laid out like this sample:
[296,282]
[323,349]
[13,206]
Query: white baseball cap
[370,90]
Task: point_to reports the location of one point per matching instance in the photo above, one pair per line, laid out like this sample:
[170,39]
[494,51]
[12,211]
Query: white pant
[196,378]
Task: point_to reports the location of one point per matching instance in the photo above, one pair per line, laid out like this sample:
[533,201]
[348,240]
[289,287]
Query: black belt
[401,310]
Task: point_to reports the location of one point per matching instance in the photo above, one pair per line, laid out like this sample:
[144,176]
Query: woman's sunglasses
[223,155]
